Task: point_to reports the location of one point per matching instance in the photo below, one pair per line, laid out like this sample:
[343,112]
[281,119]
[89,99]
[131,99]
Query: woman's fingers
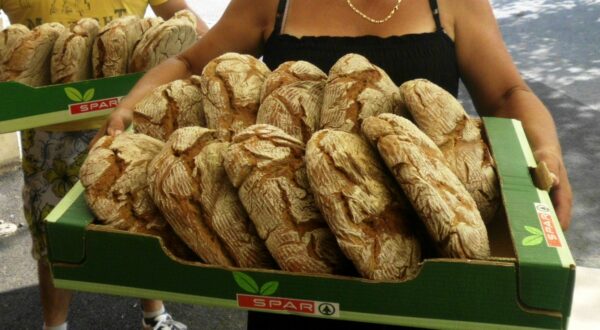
[552,171]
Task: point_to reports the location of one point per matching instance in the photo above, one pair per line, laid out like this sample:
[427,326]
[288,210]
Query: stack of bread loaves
[52,53]
[304,171]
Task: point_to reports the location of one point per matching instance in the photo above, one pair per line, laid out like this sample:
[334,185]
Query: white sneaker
[7,228]
[163,321]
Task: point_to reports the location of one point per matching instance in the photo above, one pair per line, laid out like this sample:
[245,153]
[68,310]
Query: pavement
[556,46]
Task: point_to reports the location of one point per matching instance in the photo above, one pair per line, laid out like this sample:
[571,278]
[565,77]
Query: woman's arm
[168,9]
[241,29]
[497,89]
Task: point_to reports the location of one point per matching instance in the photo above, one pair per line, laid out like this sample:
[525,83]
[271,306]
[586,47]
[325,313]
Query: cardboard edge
[228,303]
[26,97]
[527,268]
[59,210]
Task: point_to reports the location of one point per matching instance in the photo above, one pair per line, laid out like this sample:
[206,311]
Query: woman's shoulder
[464,13]
[261,13]
[457,9]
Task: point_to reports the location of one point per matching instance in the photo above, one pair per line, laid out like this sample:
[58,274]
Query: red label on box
[548,227]
[291,305]
[96,105]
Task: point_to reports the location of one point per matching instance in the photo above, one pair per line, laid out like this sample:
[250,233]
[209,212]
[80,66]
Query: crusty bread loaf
[231,86]
[356,89]
[439,115]
[294,108]
[190,186]
[114,45]
[71,56]
[361,204]
[268,168]
[29,62]
[169,107]
[288,73]
[442,202]
[115,179]
[10,38]
[163,41]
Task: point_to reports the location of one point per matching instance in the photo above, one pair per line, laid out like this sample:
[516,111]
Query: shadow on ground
[94,311]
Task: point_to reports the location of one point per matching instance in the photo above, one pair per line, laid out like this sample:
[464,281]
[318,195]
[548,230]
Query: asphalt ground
[556,47]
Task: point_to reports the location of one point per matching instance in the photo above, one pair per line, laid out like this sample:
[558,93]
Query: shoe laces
[164,322]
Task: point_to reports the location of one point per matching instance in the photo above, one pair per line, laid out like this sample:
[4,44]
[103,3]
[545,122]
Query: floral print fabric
[51,162]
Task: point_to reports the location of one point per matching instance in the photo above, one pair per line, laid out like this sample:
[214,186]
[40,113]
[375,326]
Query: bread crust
[71,56]
[29,62]
[267,167]
[115,43]
[163,41]
[114,176]
[356,89]
[190,186]
[10,38]
[361,205]
[439,115]
[294,108]
[288,73]
[231,86]
[442,202]
[169,107]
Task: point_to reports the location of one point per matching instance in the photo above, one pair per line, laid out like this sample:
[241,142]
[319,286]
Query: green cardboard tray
[527,284]
[24,107]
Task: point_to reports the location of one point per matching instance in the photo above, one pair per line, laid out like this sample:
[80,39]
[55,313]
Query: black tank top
[406,57]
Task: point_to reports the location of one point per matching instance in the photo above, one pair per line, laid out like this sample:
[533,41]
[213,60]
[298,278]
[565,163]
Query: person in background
[443,41]
[52,155]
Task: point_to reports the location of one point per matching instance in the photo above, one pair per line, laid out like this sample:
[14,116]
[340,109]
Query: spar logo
[85,104]
[260,298]
[548,231]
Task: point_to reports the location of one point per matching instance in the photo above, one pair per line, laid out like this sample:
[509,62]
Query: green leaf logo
[245,282]
[249,284]
[533,230]
[269,288]
[89,94]
[73,94]
[536,237]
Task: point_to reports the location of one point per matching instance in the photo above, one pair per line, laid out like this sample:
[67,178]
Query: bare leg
[150,306]
[55,302]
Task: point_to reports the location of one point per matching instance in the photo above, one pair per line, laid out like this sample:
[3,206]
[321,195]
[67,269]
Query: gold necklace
[372,20]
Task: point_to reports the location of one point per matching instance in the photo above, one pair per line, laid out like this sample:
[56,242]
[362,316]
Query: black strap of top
[436,14]
[279,16]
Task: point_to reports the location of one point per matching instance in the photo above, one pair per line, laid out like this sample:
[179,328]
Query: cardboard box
[527,284]
[26,107]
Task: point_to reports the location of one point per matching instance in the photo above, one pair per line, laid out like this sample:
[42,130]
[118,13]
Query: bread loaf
[268,168]
[190,186]
[10,38]
[163,41]
[288,73]
[439,115]
[294,108]
[231,86]
[29,62]
[114,45]
[115,180]
[361,204]
[442,202]
[356,89]
[71,56]
[169,107]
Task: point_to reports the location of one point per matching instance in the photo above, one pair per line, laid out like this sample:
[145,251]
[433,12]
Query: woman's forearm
[541,132]
[172,69]
[537,121]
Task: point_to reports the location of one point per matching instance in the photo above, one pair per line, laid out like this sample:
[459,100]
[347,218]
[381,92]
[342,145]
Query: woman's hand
[117,123]
[561,194]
